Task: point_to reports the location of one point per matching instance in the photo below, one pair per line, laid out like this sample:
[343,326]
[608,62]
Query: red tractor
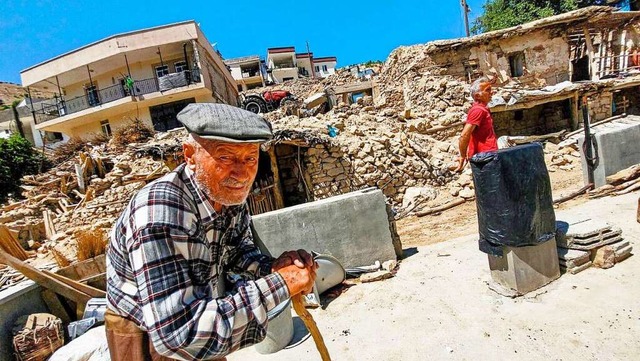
[267,101]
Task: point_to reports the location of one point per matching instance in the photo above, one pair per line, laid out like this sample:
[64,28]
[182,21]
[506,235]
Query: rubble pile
[58,204]
[403,141]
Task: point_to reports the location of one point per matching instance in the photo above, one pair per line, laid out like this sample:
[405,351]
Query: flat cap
[225,123]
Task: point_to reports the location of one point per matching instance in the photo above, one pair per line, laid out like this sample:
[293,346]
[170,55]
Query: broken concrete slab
[578,269]
[592,246]
[572,258]
[375,276]
[353,227]
[623,253]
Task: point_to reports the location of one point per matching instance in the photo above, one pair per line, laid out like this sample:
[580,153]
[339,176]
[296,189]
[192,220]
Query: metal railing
[93,97]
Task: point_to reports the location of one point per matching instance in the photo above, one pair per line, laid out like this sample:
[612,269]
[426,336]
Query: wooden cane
[298,306]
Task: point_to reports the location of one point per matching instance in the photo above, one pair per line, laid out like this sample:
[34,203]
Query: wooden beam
[44,280]
[587,39]
[277,189]
[91,291]
[55,305]
[9,244]
[623,51]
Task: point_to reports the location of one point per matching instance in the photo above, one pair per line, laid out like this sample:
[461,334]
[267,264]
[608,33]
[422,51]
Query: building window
[239,88]
[317,69]
[92,94]
[162,70]
[324,68]
[180,66]
[516,63]
[106,127]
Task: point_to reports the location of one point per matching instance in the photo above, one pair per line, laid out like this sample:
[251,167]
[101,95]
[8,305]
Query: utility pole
[465,10]
[313,72]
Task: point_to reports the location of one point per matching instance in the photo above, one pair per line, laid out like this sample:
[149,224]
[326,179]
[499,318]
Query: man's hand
[461,163]
[299,258]
[298,280]
[298,270]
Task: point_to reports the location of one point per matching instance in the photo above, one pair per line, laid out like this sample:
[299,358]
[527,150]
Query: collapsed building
[402,136]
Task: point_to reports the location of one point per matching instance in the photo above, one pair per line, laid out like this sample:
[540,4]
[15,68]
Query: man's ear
[189,152]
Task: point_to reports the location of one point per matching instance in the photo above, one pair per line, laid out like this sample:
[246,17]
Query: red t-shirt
[483,138]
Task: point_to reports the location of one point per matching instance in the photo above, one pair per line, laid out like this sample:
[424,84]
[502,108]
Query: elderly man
[184,238]
[477,135]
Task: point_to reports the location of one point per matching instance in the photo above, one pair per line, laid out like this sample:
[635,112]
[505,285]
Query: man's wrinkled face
[485,93]
[224,171]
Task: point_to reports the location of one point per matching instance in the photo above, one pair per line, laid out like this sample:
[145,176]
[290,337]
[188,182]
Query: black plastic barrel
[513,197]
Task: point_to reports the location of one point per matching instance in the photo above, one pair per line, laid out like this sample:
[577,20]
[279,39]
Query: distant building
[249,71]
[285,64]
[149,74]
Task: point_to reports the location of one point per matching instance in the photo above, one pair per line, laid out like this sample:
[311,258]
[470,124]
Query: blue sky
[354,31]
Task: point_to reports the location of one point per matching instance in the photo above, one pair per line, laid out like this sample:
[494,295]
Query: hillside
[10,92]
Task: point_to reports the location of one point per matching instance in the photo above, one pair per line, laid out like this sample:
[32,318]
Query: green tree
[17,158]
[500,14]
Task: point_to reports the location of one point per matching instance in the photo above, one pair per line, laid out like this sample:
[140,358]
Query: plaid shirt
[168,250]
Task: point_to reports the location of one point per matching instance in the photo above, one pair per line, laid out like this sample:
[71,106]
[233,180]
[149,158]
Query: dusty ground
[438,307]
[462,220]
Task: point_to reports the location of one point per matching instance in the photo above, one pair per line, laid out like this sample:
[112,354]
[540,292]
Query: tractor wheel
[287,101]
[255,105]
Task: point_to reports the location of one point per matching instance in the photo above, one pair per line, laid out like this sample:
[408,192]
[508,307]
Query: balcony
[95,97]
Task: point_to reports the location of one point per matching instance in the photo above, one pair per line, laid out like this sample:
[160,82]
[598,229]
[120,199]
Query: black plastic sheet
[513,197]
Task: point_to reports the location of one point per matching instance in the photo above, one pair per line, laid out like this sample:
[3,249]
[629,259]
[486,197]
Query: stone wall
[600,106]
[541,119]
[329,171]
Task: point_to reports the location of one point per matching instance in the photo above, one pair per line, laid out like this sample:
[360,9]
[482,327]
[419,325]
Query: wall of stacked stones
[386,164]
[541,119]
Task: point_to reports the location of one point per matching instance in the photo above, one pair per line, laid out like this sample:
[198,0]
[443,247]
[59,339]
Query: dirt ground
[462,220]
[439,305]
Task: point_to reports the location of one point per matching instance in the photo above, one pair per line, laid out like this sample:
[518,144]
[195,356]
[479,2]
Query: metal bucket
[279,329]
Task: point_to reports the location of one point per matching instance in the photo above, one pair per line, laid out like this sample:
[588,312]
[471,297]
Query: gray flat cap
[225,123]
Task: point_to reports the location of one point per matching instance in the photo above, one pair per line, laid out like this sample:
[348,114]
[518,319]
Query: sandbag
[513,198]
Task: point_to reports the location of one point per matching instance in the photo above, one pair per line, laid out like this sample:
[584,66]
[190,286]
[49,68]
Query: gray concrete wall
[617,149]
[352,227]
[22,299]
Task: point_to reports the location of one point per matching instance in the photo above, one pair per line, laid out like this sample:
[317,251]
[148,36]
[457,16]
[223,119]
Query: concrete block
[578,269]
[524,269]
[352,227]
[623,253]
[617,149]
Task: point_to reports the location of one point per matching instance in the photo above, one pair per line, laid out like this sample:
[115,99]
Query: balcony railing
[59,107]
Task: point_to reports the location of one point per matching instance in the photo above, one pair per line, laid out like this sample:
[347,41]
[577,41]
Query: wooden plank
[276,178]
[43,279]
[587,38]
[55,305]
[80,177]
[91,291]
[10,245]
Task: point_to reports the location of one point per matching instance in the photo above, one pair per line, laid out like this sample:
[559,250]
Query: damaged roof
[589,16]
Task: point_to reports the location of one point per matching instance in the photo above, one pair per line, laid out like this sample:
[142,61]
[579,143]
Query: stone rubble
[402,140]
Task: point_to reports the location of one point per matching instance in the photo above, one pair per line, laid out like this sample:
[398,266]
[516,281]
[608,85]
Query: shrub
[134,132]
[71,148]
[17,159]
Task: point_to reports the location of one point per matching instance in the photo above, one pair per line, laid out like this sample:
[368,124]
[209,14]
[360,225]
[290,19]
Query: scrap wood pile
[38,337]
[86,192]
[587,243]
[623,182]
